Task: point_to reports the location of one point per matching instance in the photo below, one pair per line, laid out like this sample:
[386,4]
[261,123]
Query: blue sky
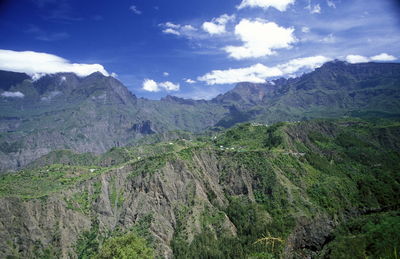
[194,49]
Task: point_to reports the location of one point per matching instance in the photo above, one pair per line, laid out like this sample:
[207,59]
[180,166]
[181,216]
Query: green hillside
[316,188]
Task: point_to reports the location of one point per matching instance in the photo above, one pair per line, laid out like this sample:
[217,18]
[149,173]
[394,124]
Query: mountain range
[293,168]
[96,113]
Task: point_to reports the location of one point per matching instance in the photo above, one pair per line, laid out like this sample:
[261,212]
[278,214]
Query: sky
[191,48]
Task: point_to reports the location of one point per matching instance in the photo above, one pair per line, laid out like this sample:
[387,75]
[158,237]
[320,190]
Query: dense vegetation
[339,178]
[323,167]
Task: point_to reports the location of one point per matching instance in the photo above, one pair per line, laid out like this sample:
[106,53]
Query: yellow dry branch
[269,240]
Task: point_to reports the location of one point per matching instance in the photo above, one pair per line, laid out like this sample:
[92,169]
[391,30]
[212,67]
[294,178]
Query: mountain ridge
[96,113]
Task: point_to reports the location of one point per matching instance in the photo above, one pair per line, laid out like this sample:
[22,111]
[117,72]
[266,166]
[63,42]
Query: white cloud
[281,5]
[13,94]
[213,28]
[165,74]
[172,25]
[256,74]
[330,3]
[305,29]
[218,25]
[169,86]
[259,73]
[295,65]
[190,81]
[314,8]
[260,38]
[188,28]
[329,39]
[171,31]
[135,10]
[356,59]
[37,63]
[362,59]
[179,30]
[152,86]
[383,57]
[115,75]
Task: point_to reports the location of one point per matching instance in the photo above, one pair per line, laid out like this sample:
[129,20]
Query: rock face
[96,113]
[58,220]
[247,184]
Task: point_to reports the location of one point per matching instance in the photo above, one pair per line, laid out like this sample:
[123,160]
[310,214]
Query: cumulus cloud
[259,73]
[169,86]
[165,74]
[297,64]
[190,81]
[218,25]
[172,25]
[281,5]
[260,38]
[177,29]
[135,10]
[37,63]
[152,86]
[13,94]
[171,31]
[383,57]
[362,59]
[356,59]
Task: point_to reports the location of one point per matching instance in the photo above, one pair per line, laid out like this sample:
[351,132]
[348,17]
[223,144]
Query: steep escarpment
[292,190]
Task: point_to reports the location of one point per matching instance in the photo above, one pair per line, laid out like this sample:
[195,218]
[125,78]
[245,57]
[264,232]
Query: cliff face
[119,198]
[293,182]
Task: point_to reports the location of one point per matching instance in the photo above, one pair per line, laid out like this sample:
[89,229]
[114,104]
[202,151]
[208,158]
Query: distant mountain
[90,114]
[96,113]
[333,90]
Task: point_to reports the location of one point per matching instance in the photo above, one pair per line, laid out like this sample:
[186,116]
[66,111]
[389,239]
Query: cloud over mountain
[32,63]
[153,86]
[362,59]
[258,73]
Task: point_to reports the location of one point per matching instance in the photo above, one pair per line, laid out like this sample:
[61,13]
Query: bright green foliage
[272,177]
[89,241]
[250,137]
[116,196]
[35,183]
[148,166]
[128,246]
[340,165]
[370,236]
[65,157]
